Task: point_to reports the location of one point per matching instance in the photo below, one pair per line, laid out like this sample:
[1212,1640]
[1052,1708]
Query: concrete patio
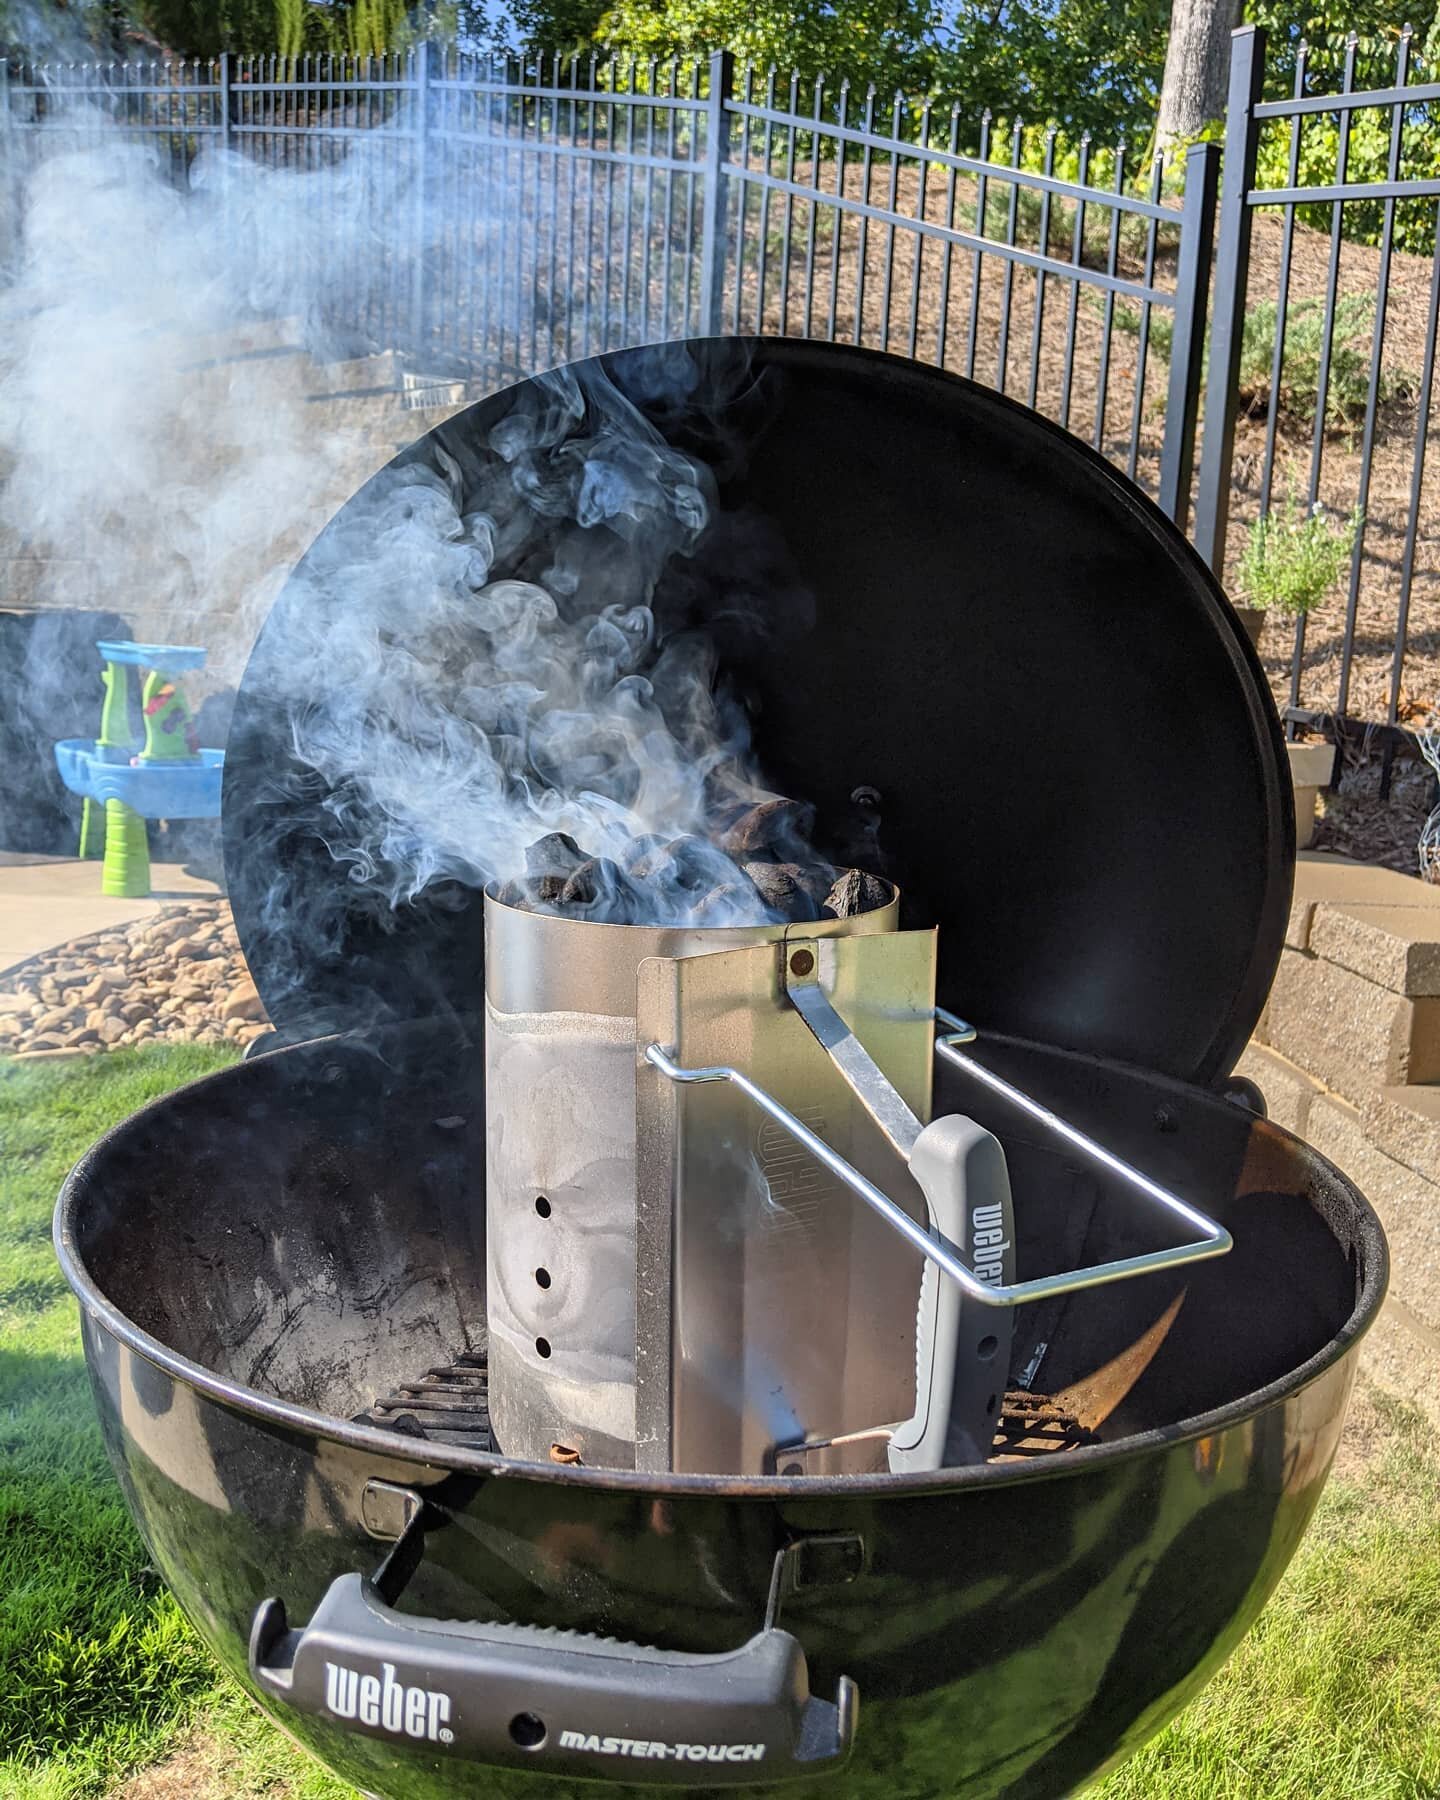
[45,901]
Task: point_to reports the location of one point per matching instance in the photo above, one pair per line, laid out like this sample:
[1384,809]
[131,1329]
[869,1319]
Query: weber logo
[988,1243]
[386,1704]
[652,1752]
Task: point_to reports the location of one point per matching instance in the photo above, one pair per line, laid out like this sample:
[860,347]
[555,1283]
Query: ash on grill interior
[748,875]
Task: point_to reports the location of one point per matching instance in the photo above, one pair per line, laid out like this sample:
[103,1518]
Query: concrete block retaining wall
[1347,1054]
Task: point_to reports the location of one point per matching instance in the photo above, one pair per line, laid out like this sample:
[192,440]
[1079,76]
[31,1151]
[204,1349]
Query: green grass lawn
[1336,1694]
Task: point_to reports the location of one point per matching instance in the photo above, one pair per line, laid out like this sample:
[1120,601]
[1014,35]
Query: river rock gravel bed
[176,976]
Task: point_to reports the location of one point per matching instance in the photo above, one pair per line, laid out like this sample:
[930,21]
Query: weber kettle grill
[929,1406]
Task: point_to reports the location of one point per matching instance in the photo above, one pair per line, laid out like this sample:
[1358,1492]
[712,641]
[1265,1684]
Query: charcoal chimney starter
[561,1174]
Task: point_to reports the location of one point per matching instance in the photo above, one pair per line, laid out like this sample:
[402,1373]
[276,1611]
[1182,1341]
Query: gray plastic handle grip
[556,1702]
[962,1351]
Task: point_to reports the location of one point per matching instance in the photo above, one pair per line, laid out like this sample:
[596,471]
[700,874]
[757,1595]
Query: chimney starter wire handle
[1212,1240]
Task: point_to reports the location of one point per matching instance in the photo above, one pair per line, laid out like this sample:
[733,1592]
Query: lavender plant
[1293,557]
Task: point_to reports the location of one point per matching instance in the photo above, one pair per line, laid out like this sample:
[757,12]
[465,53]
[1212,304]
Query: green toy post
[125,874]
[114,744]
[92,828]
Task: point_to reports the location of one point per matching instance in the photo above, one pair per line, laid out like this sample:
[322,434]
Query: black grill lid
[966,618]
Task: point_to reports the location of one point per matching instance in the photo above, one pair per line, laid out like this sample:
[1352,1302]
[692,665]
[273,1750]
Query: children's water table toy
[125,778]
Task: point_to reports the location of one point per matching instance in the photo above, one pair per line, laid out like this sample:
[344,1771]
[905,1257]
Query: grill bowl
[262,1254]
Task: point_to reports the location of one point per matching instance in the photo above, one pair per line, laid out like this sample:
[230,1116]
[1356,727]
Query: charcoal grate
[446,1405]
[1035,1425]
[451,1405]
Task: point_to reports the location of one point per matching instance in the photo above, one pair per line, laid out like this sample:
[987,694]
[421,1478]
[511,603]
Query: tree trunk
[1197,67]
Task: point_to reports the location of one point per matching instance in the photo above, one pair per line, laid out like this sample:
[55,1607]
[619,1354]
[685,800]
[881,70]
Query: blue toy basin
[154,790]
[170,659]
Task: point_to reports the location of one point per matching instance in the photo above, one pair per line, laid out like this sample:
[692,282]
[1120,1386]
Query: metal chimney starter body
[561,1172]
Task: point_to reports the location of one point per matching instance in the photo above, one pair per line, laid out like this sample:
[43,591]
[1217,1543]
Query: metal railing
[563,208]
[491,219]
[883,233]
[1359,443]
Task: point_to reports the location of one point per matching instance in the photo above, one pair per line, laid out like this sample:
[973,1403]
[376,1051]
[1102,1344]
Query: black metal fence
[1357,323]
[492,219]
[559,208]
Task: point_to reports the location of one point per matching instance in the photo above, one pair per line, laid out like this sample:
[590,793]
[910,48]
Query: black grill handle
[557,1702]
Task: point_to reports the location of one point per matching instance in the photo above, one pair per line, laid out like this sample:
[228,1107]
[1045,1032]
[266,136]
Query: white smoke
[147,432]
[493,668]
[477,660]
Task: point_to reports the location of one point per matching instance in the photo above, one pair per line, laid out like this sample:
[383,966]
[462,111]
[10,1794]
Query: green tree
[292,20]
[889,42]
[1085,65]
[206,27]
[1325,30]
[1088,65]
[1326,34]
[549,27]
[1197,69]
[374,27]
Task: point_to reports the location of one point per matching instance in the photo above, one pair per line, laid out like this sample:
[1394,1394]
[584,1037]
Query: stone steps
[1347,1055]
[1388,1146]
[1356,999]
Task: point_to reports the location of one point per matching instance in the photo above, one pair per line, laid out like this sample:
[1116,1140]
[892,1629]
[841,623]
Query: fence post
[715,194]
[1232,274]
[10,175]
[1187,347]
[225,137]
[418,288]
